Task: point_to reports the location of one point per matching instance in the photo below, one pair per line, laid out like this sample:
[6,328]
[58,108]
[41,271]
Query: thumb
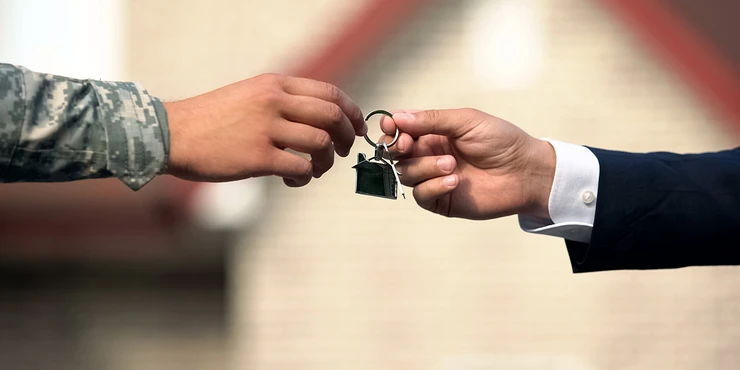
[388,125]
[446,122]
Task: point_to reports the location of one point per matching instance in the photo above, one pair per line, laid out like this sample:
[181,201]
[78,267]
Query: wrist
[176,163]
[538,178]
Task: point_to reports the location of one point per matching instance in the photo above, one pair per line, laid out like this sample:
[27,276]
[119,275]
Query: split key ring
[385,113]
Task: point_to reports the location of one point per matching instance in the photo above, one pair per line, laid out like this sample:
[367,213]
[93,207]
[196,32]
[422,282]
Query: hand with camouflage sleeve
[54,128]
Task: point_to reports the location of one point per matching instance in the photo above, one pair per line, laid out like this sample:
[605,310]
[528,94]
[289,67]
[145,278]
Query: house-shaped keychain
[376,179]
[377,176]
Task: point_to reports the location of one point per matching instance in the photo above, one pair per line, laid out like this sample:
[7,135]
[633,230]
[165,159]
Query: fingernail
[364,128]
[400,145]
[450,181]
[405,117]
[445,163]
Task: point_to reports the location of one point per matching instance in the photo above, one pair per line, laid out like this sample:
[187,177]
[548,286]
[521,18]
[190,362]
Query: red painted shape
[694,58]
[361,38]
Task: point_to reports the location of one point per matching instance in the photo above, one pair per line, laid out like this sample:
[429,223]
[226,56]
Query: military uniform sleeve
[54,128]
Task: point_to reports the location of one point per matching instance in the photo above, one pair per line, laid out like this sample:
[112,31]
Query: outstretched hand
[242,130]
[466,163]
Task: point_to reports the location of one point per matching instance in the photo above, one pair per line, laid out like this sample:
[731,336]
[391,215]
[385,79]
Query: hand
[242,130]
[466,163]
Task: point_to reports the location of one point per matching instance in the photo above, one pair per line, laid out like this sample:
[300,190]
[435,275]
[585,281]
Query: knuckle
[303,168]
[335,115]
[271,78]
[272,97]
[322,140]
[333,93]
[433,115]
[471,117]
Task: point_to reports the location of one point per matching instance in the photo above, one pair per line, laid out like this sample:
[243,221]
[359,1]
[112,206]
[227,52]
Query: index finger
[328,92]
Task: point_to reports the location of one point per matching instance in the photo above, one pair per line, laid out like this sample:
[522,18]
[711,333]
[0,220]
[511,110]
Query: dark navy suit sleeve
[663,210]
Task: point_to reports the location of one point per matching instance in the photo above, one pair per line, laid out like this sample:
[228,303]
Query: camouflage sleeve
[55,128]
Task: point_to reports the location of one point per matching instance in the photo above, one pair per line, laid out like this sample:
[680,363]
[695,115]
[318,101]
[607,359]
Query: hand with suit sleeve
[639,210]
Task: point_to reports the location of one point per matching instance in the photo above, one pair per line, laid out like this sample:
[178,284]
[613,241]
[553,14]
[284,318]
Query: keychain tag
[374,179]
[377,176]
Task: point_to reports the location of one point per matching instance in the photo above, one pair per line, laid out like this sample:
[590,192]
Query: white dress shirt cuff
[573,196]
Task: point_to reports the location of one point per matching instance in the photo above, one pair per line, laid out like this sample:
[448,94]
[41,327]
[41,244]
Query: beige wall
[183,48]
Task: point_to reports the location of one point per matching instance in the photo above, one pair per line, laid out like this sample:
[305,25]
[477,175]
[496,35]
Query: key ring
[385,113]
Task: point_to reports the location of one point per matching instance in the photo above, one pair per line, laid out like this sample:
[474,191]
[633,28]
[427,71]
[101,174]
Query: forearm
[55,128]
[663,210]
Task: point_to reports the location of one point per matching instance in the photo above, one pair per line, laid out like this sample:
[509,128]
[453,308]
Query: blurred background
[254,275]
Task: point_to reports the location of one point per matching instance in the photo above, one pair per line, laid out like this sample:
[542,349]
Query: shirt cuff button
[588,197]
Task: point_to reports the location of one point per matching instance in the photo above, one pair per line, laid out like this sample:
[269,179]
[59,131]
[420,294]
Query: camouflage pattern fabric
[55,128]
